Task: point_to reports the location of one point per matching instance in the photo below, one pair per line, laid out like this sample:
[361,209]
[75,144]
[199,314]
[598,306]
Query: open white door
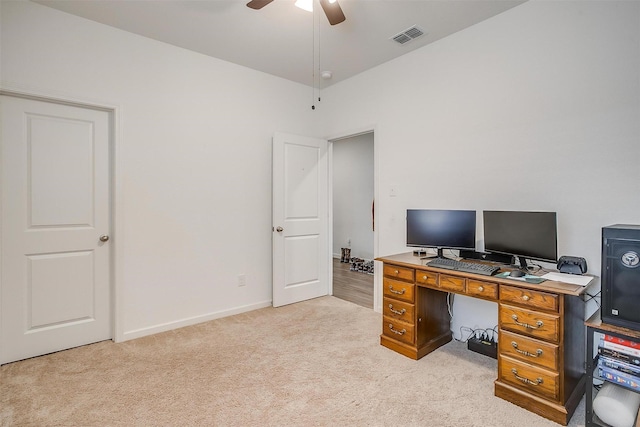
[55,283]
[300,219]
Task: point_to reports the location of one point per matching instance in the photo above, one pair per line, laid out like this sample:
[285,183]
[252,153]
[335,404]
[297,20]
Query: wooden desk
[541,337]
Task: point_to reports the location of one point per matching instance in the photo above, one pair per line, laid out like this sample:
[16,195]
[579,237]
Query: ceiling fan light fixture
[305,5]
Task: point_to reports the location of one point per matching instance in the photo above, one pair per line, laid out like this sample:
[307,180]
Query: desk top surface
[412,261]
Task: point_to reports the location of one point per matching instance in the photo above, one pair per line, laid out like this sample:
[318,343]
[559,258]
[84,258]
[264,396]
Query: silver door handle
[104,238]
[279,229]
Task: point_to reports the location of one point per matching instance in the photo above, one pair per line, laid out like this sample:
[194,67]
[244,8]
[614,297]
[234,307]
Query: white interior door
[300,219]
[55,281]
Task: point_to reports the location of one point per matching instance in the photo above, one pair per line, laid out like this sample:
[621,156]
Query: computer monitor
[526,235]
[441,229]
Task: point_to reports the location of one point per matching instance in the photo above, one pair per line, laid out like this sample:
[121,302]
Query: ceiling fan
[331,8]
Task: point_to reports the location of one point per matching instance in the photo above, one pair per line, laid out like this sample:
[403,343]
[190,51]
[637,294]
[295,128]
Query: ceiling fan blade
[258,4]
[333,11]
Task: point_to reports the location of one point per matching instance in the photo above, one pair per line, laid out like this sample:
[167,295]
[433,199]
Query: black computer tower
[621,275]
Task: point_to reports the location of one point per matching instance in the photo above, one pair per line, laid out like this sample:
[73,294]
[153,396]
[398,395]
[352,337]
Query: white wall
[353,195]
[537,108]
[193,159]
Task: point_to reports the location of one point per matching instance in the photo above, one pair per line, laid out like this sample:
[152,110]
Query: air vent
[408,35]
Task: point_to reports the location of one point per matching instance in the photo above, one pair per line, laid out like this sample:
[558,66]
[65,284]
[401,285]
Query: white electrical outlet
[242,280]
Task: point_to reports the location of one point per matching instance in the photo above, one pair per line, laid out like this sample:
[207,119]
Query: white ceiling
[279,39]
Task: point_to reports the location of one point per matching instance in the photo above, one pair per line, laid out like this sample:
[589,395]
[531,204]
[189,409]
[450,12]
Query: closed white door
[55,282]
[300,219]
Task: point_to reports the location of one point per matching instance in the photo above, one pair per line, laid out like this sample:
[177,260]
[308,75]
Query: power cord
[471,332]
[593,297]
[486,335]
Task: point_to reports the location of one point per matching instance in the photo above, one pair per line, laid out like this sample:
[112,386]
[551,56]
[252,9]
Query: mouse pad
[527,278]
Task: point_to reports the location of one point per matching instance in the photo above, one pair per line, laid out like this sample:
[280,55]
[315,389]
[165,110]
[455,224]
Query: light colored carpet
[316,363]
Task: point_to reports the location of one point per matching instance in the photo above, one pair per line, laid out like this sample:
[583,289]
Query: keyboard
[467,267]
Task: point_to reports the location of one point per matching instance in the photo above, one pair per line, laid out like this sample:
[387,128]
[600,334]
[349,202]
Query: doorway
[353,218]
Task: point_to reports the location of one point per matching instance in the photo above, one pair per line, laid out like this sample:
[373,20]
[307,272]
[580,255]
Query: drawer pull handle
[526,297]
[396,272]
[393,291]
[526,353]
[399,313]
[395,331]
[424,277]
[538,325]
[480,289]
[538,380]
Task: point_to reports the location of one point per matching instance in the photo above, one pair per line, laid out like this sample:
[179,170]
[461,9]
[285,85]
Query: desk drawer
[528,349]
[529,298]
[452,283]
[398,290]
[532,379]
[400,273]
[398,310]
[528,322]
[476,288]
[427,278]
[397,330]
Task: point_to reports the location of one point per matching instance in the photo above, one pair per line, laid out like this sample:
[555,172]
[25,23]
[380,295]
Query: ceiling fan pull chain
[313,58]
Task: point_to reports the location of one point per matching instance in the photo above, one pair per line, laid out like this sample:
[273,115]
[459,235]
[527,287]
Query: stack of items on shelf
[358,264]
[618,363]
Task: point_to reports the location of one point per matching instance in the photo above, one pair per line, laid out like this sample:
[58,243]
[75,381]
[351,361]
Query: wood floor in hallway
[352,286]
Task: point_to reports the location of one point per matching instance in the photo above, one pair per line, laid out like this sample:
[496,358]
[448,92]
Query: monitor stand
[523,264]
[439,255]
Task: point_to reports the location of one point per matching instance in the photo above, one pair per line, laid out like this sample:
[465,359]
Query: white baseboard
[143,332]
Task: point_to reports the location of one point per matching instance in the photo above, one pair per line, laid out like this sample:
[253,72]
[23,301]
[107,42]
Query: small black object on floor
[483,346]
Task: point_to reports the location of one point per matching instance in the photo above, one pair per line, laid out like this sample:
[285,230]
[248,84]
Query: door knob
[279,229]
[104,238]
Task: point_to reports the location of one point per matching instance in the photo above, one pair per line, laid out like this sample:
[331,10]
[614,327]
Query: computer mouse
[517,273]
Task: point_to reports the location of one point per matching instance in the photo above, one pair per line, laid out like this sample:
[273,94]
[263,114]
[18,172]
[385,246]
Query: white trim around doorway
[377,292]
[117,229]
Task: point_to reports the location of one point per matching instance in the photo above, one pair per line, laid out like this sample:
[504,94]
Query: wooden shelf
[594,324]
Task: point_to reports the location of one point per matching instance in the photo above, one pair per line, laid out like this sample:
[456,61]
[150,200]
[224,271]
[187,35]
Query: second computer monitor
[526,235]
